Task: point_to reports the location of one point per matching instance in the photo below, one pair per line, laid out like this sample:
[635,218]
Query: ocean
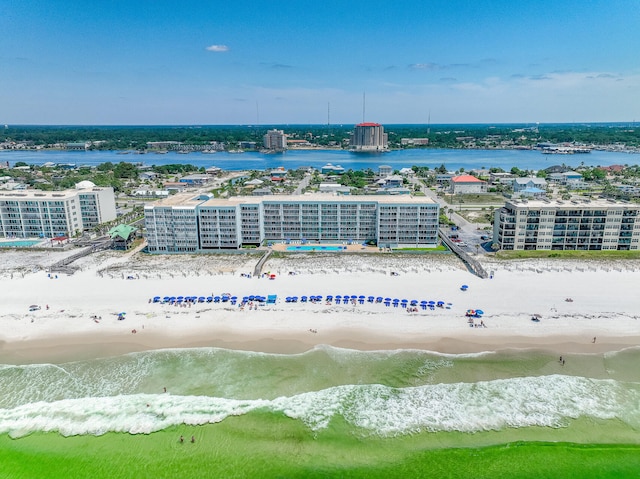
[412,408]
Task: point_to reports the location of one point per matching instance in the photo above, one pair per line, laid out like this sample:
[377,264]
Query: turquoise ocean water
[382,394]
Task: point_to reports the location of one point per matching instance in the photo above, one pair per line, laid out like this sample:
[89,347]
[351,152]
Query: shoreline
[63,348]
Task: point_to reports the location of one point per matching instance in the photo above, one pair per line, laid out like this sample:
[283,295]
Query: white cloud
[217,48]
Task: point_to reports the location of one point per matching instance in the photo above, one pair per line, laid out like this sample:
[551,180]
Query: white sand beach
[81,320]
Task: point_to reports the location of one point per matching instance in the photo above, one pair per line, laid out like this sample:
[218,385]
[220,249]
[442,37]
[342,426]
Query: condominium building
[47,214]
[567,225]
[275,140]
[185,223]
[368,137]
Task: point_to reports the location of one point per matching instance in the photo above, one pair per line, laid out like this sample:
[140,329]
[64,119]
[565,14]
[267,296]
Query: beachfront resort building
[567,225]
[187,224]
[49,214]
[368,137]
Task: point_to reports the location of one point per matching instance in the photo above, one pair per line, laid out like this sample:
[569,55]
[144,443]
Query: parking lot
[467,239]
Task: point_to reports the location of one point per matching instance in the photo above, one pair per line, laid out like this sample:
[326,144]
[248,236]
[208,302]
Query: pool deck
[350,248]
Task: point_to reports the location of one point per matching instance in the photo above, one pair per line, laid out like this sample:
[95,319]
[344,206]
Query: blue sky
[278,62]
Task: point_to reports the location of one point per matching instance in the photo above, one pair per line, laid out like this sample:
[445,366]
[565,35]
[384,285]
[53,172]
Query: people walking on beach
[594,339]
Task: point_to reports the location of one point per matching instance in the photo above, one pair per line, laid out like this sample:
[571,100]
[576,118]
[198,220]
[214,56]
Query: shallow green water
[325,413]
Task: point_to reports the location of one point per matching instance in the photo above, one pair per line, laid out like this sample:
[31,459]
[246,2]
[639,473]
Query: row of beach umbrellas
[361,299]
[337,299]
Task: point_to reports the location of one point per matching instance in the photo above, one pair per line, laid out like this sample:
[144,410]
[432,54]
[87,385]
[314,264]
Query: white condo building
[567,225]
[184,223]
[275,140]
[368,137]
[36,213]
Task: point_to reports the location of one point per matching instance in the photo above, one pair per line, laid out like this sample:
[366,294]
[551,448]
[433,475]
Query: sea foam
[548,401]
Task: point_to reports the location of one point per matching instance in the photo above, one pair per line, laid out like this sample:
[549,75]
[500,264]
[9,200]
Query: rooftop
[191,199]
[466,179]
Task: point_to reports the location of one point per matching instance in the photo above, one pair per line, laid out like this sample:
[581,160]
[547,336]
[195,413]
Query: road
[467,232]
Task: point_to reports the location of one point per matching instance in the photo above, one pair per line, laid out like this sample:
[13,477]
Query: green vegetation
[590,255]
[440,136]
[438,249]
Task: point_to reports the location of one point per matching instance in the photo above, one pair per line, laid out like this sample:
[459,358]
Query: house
[330,169]
[569,178]
[467,184]
[395,181]
[443,178]
[253,183]
[520,184]
[531,192]
[261,192]
[147,175]
[196,179]
[122,236]
[385,170]
[502,178]
[175,187]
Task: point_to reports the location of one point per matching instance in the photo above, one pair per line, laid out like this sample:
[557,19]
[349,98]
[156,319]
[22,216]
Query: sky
[143,62]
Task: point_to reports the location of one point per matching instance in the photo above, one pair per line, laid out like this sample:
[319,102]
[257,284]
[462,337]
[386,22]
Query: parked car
[461,243]
[454,236]
[484,238]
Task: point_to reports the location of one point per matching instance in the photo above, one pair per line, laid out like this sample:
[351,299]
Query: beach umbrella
[201,299]
[387,299]
[338,297]
[329,298]
[479,311]
[440,303]
[303,299]
[319,298]
[209,299]
[432,302]
[414,302]
[216,299]
[371,299]
[181,297]
[353,296]
[379,299]
[396,300]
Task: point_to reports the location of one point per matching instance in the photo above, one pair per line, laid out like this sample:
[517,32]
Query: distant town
[366,137]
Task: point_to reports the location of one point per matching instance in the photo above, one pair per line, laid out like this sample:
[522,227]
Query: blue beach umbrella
[479,311]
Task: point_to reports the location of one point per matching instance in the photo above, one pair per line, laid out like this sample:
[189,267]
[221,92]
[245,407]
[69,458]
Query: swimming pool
[18,243]
[316,248]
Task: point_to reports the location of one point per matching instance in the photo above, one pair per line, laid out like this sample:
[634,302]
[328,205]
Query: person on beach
[594,340]
[193,439]
[181,439]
